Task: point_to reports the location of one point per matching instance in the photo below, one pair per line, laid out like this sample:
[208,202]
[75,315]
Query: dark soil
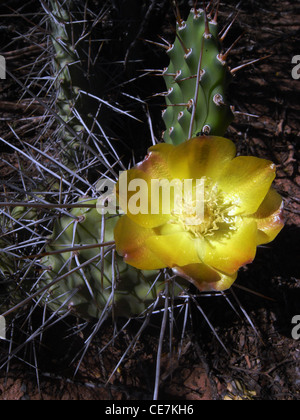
[261,360]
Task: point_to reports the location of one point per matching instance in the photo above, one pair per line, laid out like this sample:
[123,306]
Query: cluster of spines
[196,80]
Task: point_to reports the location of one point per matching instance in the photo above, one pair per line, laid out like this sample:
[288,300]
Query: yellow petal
[177,249]
[205,278]
[246,181]
[201,156]
[134,193]
[130,241]
[155,163]
[229,254]
[269,217]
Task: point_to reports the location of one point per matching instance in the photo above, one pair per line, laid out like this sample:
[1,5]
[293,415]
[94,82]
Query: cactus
[196,79]
[70,75]
[106,282]
[79,81]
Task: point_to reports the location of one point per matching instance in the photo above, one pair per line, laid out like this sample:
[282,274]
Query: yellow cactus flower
[240,211]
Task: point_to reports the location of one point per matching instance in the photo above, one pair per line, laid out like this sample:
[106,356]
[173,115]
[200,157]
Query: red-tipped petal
[205,278]
[269,217]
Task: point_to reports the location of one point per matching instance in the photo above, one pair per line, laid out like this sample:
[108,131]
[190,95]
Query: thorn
[157,72]
[211,12]
[194,102]
[245,114]
[253,292]
[207,7]
[71,249]
[182,104]
[156,95]
[177,14]
[225,55]
[165,41]
[165,47]
[48,206]
[207,31]
[236,69]
[226,30]
[215,19]
[185,49]
[187,78]
[174,75]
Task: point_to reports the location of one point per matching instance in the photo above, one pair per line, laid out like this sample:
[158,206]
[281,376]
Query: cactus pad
[196,80]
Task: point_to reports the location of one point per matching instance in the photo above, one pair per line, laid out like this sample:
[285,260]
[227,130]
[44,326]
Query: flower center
[203,210]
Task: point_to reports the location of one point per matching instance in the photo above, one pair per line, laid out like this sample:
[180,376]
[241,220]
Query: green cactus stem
[71,75]
[106,284]
[196,79]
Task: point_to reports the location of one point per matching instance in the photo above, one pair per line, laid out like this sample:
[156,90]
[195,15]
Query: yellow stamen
[214,216]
